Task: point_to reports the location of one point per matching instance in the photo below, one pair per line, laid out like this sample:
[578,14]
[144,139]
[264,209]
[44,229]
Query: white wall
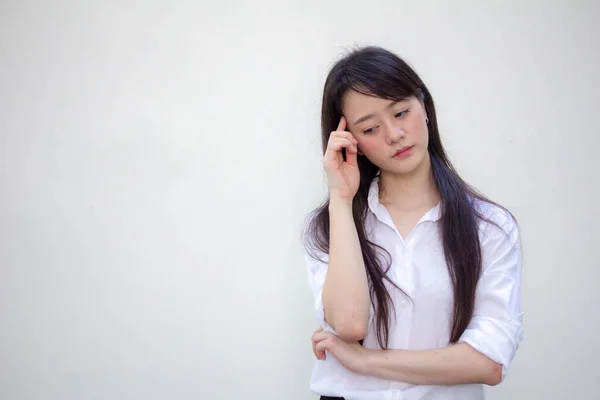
[157,160]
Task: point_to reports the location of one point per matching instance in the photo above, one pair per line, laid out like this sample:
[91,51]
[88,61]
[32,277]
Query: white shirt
[420,269]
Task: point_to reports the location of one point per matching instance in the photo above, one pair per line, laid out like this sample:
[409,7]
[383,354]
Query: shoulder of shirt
[495,219]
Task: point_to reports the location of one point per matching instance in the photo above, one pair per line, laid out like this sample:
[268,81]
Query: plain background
[157,160]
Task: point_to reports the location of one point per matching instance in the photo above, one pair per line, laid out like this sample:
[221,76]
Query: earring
[426,120]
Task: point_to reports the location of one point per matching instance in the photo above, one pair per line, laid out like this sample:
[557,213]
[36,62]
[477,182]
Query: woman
[415,275]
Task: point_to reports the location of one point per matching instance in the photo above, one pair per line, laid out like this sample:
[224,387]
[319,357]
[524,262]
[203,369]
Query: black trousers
[331,398]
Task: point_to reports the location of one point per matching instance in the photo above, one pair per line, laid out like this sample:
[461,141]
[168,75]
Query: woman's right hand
[343,177]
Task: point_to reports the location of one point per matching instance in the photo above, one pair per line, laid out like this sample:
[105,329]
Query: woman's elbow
[494,374]
[352,331]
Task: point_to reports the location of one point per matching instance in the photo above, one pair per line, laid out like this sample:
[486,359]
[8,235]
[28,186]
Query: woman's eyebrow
[364,118]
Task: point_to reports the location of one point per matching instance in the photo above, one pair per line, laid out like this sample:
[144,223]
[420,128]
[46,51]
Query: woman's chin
[406,166]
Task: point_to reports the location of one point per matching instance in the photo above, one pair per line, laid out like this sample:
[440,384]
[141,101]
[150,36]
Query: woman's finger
[319,354]
[322,335]
[344,134]
[342,124]
[351,156]
[338,144]
[323,345]
[314,349]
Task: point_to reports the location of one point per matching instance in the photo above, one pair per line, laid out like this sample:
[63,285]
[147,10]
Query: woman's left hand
[351,355]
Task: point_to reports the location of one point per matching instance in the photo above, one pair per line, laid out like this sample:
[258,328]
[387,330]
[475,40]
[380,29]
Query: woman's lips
[404,152]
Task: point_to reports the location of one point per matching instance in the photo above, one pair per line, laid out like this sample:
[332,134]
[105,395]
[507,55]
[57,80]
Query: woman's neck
[409,191]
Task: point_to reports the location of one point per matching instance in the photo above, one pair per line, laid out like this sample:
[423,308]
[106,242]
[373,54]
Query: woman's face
[392,135]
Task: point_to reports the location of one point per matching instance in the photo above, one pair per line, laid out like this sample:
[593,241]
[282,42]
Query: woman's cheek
[368,149]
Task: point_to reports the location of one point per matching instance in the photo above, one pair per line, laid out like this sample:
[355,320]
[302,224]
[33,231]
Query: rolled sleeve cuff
[496,339]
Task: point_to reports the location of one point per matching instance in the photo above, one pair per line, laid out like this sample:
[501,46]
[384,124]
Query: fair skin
[345,292]
[378,128]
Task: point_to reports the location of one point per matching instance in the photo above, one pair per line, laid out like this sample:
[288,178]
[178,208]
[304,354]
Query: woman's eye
[402,113]
[370,130]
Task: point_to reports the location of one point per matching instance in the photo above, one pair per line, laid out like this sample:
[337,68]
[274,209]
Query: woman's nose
[394,133]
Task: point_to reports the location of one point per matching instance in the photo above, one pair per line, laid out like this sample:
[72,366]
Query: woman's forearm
[453,365]
[345,292]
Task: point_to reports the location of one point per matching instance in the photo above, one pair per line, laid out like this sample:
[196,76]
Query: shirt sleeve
[317,271]
[496,328]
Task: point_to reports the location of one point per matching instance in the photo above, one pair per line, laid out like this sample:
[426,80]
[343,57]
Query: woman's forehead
[354,102]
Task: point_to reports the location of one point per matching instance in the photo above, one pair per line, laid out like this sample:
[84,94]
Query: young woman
[415,275]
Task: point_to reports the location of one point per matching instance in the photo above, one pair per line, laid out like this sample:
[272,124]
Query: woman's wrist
[369,361]
[336,201]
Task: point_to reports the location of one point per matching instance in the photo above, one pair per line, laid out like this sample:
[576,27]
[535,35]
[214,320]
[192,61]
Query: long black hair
[378,72]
